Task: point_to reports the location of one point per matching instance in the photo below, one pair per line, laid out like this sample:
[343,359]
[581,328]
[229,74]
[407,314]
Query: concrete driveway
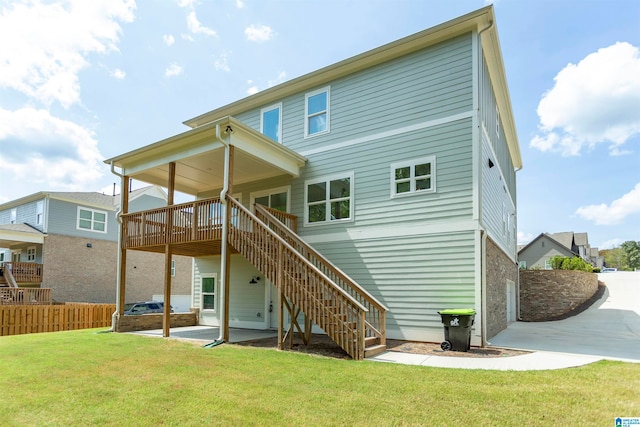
[610,328]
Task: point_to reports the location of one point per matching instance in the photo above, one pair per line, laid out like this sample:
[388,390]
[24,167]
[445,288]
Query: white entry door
[276,198]
[511,302]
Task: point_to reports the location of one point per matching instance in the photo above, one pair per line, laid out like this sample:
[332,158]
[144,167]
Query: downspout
[119,258]
[224,249]
[483,233]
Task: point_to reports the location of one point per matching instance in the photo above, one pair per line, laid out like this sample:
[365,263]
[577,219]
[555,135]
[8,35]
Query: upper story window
[316,110]
[14,215]
[91,219]
[329,199]
[413,176]
[40,212]
[271,122]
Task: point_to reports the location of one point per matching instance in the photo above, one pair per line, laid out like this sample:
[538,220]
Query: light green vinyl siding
[63,218]
[414,276]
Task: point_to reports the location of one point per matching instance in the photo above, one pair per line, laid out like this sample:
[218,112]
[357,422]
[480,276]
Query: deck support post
[168,253]
[226,247]
[122,252]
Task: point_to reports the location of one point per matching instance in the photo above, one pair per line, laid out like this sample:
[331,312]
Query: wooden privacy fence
[29,319]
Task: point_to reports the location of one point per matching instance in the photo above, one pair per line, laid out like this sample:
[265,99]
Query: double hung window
[316,109]
[271,122]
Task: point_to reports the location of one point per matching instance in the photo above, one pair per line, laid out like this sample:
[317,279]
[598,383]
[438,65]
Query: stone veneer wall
[145,322]
[549,294]
[500,269]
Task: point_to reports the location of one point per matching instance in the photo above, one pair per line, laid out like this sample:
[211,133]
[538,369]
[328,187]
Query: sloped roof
[550,237]
[564,238]
[581,239]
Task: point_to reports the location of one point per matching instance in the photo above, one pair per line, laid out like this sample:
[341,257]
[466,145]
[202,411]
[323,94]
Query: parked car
[144,307]
[608,270]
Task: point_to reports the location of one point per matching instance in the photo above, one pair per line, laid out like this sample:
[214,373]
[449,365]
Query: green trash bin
[457,328]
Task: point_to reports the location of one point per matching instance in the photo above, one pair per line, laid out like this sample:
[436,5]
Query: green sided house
[358,200]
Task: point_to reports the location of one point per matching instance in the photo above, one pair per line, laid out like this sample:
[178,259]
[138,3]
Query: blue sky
[81,81]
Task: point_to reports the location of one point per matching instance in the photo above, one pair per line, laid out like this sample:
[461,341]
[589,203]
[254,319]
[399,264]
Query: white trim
[476,139]
[497,164]
[389,133]
[412,179]
[412,229]
[216,295]
[327,112]
[35,253]
[327,180]
[277,106]
[93,211]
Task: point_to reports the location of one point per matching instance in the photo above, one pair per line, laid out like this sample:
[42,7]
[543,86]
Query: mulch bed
[322,345]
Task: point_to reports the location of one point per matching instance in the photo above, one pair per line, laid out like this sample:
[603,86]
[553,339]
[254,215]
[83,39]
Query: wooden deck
[22,272]
[308,283]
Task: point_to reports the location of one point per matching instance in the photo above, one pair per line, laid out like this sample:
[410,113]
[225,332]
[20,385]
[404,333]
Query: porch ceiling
[16,234]
[199,158]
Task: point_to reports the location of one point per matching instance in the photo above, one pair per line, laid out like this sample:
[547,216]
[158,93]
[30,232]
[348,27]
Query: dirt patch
[322,345]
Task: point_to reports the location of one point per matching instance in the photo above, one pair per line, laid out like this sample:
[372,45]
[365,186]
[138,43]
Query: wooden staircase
[308,284]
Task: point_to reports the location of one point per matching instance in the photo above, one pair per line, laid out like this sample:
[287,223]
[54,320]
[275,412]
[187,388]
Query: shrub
[559,262]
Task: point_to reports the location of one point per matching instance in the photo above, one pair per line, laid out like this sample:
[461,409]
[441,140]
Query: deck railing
[25,296]
[184,223]
[25,272]
[376,314]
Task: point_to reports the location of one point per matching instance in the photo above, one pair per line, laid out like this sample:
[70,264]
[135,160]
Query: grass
[90,378]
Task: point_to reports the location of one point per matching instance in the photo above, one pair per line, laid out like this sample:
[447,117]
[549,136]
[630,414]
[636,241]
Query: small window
[415,176]
[316,110]
[522,265]
[173,268]
[31,254]
[271,122]
[547,264]
[40,212]
[208,293]
[329,199]
[93,220]
[14,215]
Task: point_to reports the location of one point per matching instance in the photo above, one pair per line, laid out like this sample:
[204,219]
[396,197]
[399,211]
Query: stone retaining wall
[145,322]
[549,294]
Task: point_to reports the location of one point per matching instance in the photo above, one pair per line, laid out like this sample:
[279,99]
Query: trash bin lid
[458,311]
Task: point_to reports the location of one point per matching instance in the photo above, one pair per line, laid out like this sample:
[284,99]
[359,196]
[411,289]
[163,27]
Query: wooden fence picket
[26,319]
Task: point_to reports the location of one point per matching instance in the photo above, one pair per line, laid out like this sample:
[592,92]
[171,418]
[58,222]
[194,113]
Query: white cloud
[614,213]
[252,89]
[173,70]
[50,42]
[595,101]
[257,33]
[168,39]
[119,74]
[196,27]
[47,150]
[239,4]
[610,244]
[186,3]
[281,78]
[524,238]
[222,63]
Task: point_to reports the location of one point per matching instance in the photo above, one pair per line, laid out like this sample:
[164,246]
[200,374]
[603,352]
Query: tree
[614,258]
[631,253]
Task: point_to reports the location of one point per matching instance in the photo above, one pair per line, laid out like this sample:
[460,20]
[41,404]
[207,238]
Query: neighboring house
[67,241]
[397,165]
[538,252]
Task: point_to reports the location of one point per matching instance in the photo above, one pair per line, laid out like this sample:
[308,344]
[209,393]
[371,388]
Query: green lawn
[90,378]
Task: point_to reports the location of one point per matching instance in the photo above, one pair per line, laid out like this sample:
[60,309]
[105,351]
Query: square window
[329,199]
[413,176]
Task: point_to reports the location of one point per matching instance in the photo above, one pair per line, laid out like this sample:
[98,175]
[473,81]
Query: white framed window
[40,212]
[14,215]
[413,176]
[275,198]
[208,293]
[173,268]
[92,220]
[316,112]
[522,265]
[547,265]
[31,254]
[329,199]
[271,122]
